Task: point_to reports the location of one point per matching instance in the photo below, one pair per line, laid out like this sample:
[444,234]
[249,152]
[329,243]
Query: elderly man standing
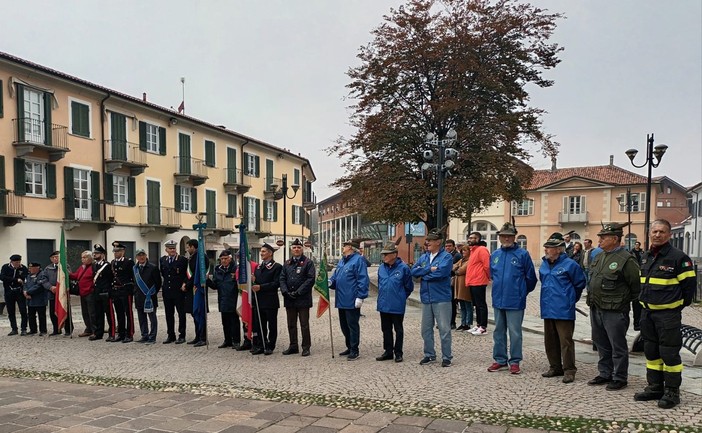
[669,280]
[148,282]
[12,276]
[296,282]
[394,287]
[614,283]
[224,283]
[513,278]
[173,269]
[434,268]
[266,302]
[562,284]
[350,280]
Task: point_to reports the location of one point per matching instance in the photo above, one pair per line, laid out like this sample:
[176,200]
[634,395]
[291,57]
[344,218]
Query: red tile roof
[610,174]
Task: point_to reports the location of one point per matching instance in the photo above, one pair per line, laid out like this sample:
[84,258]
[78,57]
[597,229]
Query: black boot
[651,392]
[670,399]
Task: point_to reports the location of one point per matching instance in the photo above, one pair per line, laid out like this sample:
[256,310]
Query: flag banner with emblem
[62,298]
[243,303]
[199,307]
[321,285]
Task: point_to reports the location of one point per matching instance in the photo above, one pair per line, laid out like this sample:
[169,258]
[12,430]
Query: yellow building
[108,167]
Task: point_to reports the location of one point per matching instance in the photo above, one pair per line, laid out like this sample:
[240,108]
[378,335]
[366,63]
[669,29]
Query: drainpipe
[103,119]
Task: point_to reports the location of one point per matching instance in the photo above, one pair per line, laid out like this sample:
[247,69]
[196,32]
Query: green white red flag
[62,297]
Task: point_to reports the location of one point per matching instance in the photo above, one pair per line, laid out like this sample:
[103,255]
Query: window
[522,241]
[152,141]
[80,118]
[251,165]
[186,197]
[35,178]
[668,190]
[636,200]
[629,241]
[251,213]
[120,190]
[488,231]
[296,177]
[576,205]
[523,208]
[152,138]
[297,214]
[271,209]
[209,153]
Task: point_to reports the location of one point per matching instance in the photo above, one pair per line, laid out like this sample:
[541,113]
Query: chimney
[611,160]
[143,96]
[553,163]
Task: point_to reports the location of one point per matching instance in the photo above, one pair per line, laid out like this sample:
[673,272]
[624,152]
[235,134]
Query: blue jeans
[441,313]
[507,321]
[466,312]
[348,320]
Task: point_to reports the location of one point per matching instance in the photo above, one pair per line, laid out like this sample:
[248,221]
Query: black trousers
[660,330]
[231,327]
[67,324]
[87,309]
[481,308]
[265,329]
[124,315]
[14,299]
[173,305]
[303,314]
[144,320]
[103,311]
[388,322]
[33,313]
[636,308]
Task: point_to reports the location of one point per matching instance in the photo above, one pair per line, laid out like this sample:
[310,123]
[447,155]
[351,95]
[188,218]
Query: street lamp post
[651,153]
[445,161]
[283,193]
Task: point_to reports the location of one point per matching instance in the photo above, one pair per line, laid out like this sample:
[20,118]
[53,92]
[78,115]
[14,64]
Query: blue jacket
[435,286]
[513,277]
[394,287]
[350,280]
[34,288]
[562,283]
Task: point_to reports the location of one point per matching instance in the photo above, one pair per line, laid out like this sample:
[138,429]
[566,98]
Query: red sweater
[85,283]
[478,271]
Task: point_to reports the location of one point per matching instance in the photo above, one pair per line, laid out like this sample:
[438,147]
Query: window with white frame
[252,213]
[575,205]
[297,214]
[270,210]
[152,140]
[35,178]
[523,208]
[636,200]
[120,190]
[186,196]
[522,242]
[250,164]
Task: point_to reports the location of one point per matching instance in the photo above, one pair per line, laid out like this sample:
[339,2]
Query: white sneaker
[473,329]
[480,331]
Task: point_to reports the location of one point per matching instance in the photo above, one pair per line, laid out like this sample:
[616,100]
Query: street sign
[280,242]
[308,244]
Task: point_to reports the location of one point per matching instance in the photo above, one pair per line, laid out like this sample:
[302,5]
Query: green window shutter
[95,195]
[142,136]
[109,186]
[231,158]
[161,141]
[258,214]
[2,171]
[20,113]
[131,191]
[176,198]
[246,164]
[68,193]
[296,177]
[257,169]
[245,216]
[231,205]
[269,173]
[275,211]
[47,118]
[209,153]
[193,197]
[1,105]
[211,208]
[80,121]
[20,186]
[51,180]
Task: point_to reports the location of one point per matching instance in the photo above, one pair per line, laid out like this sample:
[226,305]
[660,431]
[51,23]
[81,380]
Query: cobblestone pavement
[465,387]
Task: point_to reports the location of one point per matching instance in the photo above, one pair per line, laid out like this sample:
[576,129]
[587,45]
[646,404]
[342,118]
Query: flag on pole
[181,107]
[199,309]
[62,297]
[321,285]
[244,274]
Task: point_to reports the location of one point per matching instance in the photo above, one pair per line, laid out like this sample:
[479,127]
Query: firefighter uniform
[667,285]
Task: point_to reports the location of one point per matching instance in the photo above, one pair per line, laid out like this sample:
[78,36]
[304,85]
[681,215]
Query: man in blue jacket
[434,268]
[394,287]
[350,280]
[513,277]
[562,284]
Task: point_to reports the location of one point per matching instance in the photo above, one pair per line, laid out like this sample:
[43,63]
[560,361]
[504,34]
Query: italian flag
[62,297]
[321,285]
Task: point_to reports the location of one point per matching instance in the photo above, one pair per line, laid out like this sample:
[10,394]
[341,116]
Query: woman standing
[84,276]
[577,252]
[461,291]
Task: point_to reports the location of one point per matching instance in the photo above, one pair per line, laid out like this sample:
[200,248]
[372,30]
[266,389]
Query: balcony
[11,208]
[263,229]
[189,171]
[309,201]
[35,134]
[273,185]
[125,155]
[157,217]
[81,211]
[564,217]
[236,181]
[220,225]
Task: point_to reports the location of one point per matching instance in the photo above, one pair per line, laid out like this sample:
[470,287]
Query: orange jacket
[478,272]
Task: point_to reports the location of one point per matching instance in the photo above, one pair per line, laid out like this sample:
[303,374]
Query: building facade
[105,166]
[692,244]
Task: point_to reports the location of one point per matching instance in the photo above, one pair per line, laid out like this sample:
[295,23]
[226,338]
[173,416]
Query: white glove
[358,303]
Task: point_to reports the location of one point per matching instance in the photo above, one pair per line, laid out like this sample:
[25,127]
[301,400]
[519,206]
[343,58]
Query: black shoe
[13,332]
[427,360]
[305,352]
[670,399]
[200,343]
[398,358]
[54,333]
[110,339]
[616,385]
[384,357]
[446,363]
[257,351]
[598,380]
[291,351]
[224,345]
[181,340]
[94,338]
[243,347]
[353,356]
[30,333]
[236,346]
[193,341]
[553,373]
[169,340]
[127,340]
[651,392]
[150,342]
[142,340]
[346,352]
[268,352]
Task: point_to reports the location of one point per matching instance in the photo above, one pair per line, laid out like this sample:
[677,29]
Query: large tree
[437,65]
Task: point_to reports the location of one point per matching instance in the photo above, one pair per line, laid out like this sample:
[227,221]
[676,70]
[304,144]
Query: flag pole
[182,83]
[331,336]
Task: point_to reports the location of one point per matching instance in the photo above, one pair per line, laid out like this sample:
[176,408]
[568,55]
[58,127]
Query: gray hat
[554,241]
[616,229]
[140,251]
[391,247]
[434,234]
[356,243]
[170,244]
[508,229]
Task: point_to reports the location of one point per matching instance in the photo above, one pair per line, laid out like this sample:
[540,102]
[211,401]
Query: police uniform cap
[116,246]
[97,248]
[15,258]
[34,265]
[296,242]
[170,243]
[268,247]
[55,253]
[225,253]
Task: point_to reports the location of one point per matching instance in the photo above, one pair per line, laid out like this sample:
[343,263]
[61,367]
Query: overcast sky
[276,69]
